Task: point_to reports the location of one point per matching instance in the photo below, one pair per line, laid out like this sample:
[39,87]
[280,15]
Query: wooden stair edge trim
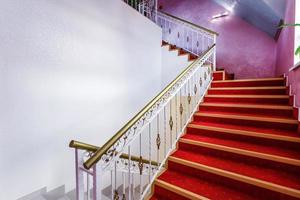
[246,133]
[250,80]
[251,88]
[246,117]
[257,106]
[232,175]
[152,192]
[180,191]
[219,71]
[255,154]
[248,96]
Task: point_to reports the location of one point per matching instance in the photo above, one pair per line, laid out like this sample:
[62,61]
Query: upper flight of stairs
[181,52]
[243,143]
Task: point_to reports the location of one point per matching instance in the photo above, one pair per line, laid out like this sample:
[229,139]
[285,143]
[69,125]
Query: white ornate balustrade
[127,165]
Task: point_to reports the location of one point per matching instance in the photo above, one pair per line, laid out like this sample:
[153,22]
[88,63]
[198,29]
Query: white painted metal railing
[183,34]
[137,153]
[127,165]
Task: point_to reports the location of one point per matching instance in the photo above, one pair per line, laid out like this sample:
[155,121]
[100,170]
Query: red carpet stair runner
[243,144]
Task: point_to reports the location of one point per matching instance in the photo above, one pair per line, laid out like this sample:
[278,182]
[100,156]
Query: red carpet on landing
[243,143]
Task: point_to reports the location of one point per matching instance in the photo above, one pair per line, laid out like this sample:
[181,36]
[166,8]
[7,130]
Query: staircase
[243,143]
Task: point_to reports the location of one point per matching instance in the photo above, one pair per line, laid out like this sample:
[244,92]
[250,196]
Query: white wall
[69,69]
[172,65]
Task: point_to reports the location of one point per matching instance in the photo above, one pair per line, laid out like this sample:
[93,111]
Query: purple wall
[285,52]
[242,49]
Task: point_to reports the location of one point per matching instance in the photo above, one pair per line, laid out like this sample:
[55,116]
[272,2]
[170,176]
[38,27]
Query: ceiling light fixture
[224,14]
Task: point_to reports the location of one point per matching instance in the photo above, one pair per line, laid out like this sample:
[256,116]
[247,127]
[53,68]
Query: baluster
[176,119]
[186,101]
[79,176]
[116,194]
[165,133]
[87,186]
[180,109]
[129,175]
[171,125]
[140,164]
[133,186]
[158,139]
[112,184]
[124,186]
[197,46]
[150,144]
[192,34]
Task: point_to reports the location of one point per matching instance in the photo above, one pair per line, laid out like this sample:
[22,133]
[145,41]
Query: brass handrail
[190,23]
[101,151]
[92,148]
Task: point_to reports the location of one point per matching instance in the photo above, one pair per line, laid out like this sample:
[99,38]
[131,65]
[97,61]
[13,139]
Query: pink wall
[242,49]
[285,52]
[285,44]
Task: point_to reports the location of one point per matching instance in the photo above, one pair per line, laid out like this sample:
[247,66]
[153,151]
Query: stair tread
[238,115]
[248,96]
[280,177]
[250,128]
[251,88]
[209,189]
[232,131]
[249,105]
[243,145]
[256,79]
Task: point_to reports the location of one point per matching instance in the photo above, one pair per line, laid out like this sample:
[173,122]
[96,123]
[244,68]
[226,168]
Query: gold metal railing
[99,152]
[88,147]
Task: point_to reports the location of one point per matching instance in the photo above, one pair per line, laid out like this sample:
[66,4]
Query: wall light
[224,14]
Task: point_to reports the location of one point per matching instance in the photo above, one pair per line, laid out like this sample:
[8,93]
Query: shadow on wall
[242,49]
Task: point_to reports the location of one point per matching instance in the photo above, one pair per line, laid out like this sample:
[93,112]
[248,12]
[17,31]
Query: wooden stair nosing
[180,191]
[250,80]
[255,154]
[246,133]
[250,88]
[246,179]
[247,117]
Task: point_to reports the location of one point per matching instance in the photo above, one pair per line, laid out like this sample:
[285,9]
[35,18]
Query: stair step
[219,75]
[198,167]
[185,194]
[257,109]
[248,120]
[271,90]
[248,99]
[277,154]
[244,167]
[242,128]
[198,186]
[266,138]
[249,82]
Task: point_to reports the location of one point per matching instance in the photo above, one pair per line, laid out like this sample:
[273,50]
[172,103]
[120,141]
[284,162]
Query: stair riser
[163,194]
[241,158]
[249,92]
[248,83]
[258,111]
[243,122]
[218,76]
[271,101]
[243,138]
[259,193]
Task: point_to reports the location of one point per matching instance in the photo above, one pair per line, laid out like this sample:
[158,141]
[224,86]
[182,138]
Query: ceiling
[264,14]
